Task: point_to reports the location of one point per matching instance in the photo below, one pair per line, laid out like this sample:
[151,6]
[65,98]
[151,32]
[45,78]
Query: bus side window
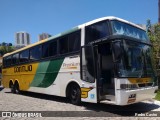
[74,42]
[4,62]
[35,53]
[87,64]
[96,31]
[63,45]
[8,61]
[53,48]
[45,50]
[24,56]
[15,59]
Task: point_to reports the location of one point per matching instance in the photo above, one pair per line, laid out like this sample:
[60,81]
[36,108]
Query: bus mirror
[117,51]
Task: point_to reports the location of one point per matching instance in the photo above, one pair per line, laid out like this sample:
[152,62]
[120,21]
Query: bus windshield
[136,61]
[120,28]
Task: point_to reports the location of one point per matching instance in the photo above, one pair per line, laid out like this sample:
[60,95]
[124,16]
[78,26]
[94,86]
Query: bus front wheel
[75,94]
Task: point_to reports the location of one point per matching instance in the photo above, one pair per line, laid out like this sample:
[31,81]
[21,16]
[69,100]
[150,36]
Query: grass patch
[158,95]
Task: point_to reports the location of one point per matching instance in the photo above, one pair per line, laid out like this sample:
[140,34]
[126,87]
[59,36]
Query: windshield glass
[136,61]
[120,28]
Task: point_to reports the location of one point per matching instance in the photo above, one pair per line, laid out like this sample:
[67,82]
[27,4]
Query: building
[22,39]
[43,36]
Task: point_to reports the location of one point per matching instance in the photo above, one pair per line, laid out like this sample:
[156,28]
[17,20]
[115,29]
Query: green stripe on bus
[40,73]
[47,73]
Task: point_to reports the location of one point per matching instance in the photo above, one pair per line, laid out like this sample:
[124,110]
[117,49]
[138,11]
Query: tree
[6,49]
[154,36]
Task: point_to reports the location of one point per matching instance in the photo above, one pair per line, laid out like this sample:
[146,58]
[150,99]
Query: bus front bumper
[125,97]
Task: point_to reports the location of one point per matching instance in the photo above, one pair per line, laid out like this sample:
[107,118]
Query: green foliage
[6,49]
[158,95]
[154,36]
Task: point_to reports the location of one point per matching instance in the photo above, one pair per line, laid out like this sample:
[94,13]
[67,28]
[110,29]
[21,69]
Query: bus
[107,60]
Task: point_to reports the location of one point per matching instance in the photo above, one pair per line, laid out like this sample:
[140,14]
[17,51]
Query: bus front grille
[145,84]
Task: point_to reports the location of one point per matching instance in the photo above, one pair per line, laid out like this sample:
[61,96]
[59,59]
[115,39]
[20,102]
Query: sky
[56,16]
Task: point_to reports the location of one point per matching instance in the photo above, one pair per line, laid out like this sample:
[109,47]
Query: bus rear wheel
[75,94]
[16,88]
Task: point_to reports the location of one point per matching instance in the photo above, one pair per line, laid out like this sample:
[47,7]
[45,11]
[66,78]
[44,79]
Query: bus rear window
[7,61]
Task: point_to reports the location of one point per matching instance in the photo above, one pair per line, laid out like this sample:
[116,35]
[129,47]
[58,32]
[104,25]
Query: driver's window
[87,64]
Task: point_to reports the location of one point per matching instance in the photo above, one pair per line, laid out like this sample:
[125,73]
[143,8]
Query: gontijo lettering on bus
[23,68]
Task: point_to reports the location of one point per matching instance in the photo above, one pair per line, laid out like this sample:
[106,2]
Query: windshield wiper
[142,70]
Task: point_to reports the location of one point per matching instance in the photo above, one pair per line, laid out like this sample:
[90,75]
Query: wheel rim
[17,91]
[12,88]
[16,88]
[74,93]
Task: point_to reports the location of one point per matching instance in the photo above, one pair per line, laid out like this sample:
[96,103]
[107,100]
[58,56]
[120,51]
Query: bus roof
[109,18]
[24,48]
[74,29]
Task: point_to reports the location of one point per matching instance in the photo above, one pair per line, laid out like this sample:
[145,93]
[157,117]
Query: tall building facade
[43,36]
[22,39]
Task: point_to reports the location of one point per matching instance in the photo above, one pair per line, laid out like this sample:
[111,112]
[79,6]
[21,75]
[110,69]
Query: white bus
[107,60]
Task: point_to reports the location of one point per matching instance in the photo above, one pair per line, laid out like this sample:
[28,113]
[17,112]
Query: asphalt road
[60,108]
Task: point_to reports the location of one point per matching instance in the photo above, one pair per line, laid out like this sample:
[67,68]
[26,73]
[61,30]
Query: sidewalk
[153,104]
[157,102]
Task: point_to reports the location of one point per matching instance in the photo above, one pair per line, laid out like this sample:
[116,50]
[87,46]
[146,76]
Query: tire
[16,88]
[75,94]
[12,87]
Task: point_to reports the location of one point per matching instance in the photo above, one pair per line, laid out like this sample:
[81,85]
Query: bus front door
[105,74]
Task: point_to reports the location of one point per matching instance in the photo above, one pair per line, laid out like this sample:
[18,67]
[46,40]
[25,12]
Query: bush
[158,95]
